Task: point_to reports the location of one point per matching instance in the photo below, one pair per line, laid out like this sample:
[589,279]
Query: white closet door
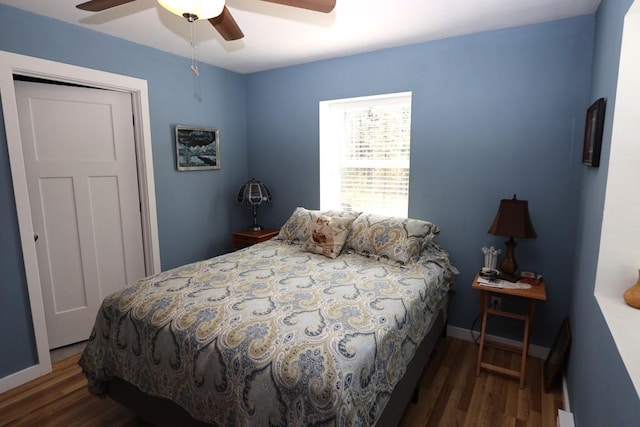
[80,160]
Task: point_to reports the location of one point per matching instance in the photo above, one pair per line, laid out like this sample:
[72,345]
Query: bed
[329,323]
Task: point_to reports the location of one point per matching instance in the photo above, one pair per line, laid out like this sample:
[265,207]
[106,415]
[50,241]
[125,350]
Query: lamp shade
[513,220]
[202,9]
[253,193]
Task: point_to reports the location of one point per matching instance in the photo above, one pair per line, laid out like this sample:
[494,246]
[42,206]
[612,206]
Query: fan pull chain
[194,52]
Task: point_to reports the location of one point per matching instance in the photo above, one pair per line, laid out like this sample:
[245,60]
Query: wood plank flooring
[450,395]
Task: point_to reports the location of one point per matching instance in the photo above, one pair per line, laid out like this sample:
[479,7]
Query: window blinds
[371,147]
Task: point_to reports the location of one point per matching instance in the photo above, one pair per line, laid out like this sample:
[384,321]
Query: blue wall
[493,114]
[196,210]
[599,386]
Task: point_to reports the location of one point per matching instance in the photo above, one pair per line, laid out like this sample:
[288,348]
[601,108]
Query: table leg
[483,309]
[525,345]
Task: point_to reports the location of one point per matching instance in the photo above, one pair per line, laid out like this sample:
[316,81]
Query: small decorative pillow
[328,235]
[395,239]
[297,229]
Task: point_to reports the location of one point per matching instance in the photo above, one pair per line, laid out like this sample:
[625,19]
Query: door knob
[35,237]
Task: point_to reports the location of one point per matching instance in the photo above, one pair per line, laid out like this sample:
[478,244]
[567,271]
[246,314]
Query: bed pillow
[398,240]
[327,235]
[297,228]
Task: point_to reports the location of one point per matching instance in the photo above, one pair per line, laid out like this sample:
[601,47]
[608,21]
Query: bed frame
[163,412]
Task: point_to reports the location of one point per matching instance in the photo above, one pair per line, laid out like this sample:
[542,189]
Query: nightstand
[533,294]
[245,238]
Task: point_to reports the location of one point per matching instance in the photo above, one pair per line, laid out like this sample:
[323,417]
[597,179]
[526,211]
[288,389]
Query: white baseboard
[565,419]
[24,376]
[565,394]
[465,334]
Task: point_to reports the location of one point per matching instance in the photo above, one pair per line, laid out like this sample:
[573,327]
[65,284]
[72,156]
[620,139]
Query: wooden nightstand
[533,294]
[245,238]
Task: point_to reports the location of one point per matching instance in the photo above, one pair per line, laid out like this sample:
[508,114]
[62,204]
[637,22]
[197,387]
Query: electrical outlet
[495,303]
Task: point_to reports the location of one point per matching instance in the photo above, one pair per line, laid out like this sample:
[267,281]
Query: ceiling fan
[215,11]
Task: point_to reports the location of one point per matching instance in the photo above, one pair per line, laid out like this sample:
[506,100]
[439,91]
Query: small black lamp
[252,194]
[512,220]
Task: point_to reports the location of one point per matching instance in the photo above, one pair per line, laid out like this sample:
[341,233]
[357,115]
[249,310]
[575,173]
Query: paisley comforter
[270,335]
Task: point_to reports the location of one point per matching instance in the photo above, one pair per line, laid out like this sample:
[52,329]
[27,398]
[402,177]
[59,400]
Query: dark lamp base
[509,265]
[509,277]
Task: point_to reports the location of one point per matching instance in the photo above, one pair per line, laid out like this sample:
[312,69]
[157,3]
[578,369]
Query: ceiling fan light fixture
[200,9]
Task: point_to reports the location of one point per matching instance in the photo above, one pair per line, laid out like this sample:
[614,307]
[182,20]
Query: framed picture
[197,148]
[593,134]
[555,360]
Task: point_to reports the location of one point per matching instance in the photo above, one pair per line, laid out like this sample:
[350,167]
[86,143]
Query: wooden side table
[533,294]
[245,238]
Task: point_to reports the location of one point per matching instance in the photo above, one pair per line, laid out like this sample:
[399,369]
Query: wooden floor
[450,395]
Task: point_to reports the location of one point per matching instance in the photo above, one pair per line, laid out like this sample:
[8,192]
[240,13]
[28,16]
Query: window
[364,154]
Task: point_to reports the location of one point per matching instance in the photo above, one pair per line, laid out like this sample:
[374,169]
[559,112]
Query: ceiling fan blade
[227,26]
[325,6]
[100,5]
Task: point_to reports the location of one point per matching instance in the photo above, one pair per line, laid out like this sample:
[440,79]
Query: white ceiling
[277,35]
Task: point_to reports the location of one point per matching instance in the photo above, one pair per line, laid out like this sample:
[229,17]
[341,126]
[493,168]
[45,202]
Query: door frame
[14,64]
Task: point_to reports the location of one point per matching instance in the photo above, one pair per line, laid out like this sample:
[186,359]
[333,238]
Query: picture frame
[557,355]
[197,148]
[593,133]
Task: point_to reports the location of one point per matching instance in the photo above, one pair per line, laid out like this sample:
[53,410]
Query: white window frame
[331,147]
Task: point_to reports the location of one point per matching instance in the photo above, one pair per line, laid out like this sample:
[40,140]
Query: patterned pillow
[297,228]
[389,238]
[328,235]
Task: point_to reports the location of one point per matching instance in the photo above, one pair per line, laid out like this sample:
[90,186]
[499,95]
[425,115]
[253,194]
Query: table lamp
[512,221]
[252,194]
